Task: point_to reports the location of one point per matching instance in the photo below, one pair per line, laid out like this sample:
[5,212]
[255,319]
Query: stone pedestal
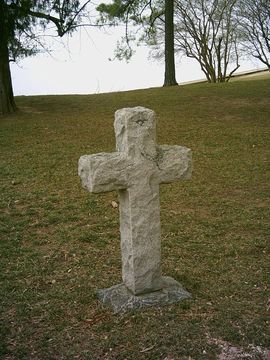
[120,299]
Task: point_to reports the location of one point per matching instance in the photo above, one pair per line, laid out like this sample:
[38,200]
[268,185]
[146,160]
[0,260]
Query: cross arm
[103,172]
[174,163]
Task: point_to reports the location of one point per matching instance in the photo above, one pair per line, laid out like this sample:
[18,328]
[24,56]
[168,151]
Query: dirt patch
[230,352]
[29,109]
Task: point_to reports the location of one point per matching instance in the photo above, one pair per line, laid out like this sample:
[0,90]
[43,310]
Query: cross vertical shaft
[139,203]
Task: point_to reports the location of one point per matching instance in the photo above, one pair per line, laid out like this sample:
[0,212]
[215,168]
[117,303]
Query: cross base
[120,299]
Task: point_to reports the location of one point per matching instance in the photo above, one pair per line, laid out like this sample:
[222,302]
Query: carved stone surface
[135,170]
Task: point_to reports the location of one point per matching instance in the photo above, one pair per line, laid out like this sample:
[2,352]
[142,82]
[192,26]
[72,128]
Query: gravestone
[135,170]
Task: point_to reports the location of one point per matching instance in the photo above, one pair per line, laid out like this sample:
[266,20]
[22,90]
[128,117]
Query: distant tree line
[216,33]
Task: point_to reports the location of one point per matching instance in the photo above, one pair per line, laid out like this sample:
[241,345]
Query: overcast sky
[84,67]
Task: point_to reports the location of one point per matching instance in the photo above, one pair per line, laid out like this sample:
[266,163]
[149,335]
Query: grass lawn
[59,244]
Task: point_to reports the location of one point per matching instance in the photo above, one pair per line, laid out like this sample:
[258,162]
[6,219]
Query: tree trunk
[7,103]
[169,79]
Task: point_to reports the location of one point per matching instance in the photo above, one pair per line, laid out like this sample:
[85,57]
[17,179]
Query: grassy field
[59,244]
[252,76]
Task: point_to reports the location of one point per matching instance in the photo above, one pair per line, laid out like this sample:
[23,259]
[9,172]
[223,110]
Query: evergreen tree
[140,18]
[19,21]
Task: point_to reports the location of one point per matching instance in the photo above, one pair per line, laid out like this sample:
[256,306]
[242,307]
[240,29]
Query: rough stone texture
[120,299]
[136,169]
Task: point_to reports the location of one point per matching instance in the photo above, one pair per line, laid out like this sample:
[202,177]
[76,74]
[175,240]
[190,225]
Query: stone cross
[135,170]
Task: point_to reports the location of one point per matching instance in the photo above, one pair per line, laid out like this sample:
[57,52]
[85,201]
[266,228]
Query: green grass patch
[59,244]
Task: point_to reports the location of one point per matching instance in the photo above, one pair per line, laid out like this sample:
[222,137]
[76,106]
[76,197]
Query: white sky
[85,68]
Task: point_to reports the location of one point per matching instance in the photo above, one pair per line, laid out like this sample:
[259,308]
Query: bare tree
[254,23]
[206,31]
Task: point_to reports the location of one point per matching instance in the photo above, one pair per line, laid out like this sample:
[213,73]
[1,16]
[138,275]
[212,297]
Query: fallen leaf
[114,204]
